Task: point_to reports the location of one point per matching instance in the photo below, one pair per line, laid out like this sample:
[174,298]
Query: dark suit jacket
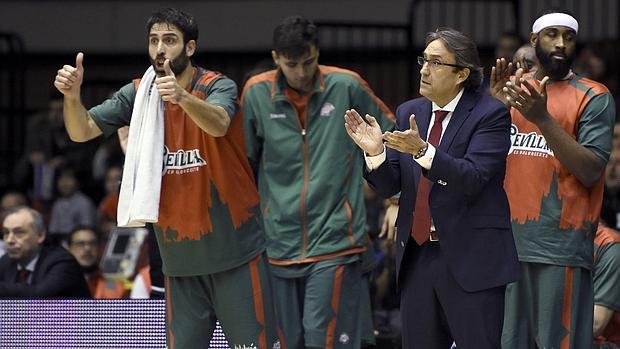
[56,275]
[467,199]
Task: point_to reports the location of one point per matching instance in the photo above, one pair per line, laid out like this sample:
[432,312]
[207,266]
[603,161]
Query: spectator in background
[606,288]
[110,153]
[9,200]
[84,243]
[12,199]
[507,44]
[73,208]
[611,198]
[48,149]
[525,58]
[591,64]
[31,268]
[106,213]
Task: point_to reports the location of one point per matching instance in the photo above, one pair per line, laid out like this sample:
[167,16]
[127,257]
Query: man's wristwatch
[421,152]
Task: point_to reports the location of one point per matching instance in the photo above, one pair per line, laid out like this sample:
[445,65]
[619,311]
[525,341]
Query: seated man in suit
[454,252]
[32,269]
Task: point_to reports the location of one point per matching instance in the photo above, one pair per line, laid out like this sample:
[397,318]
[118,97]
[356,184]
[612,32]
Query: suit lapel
[461,113]
[423,119]
[38,268]
[11,272]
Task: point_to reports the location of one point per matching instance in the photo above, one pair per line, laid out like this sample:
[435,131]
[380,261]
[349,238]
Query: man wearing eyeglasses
[455,250]
[84,245]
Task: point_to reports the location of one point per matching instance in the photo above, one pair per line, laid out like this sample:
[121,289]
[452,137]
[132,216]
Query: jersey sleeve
[607,276]
[252,130]
[223,92]
[114,112]
[596,125]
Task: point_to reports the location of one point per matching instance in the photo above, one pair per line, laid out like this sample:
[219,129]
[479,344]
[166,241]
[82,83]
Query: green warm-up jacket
[309,178]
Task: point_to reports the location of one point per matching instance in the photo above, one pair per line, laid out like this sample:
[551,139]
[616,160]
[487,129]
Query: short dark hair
[182,20]
[294,37]
[80,228]
[465,52]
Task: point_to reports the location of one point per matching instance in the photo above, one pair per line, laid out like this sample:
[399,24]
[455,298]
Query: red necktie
[421,228]
[22,276]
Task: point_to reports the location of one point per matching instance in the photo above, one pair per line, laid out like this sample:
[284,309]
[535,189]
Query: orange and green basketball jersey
[607,279]
[554,217]
[208,213]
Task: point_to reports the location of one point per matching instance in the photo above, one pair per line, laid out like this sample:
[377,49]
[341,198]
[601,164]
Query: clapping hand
[367,135]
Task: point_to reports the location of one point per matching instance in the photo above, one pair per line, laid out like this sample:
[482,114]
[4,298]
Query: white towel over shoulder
[138,201]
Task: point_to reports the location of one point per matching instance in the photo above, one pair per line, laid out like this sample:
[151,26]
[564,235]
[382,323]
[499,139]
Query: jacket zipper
[304,189]
[304,193]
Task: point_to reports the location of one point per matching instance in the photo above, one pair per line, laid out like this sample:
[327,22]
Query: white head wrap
[555,19]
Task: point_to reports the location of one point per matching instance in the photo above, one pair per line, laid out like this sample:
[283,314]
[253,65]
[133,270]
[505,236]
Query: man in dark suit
[447,158]
[32,269]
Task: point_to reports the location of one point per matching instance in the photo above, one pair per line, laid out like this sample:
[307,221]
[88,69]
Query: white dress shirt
[426,161]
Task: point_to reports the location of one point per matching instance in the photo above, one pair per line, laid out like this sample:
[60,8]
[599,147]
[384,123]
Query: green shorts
[319,308]
[549,307]
[366,328]
[239,298]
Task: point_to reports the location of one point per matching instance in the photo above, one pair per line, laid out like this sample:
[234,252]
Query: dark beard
[556,70]
[177,64]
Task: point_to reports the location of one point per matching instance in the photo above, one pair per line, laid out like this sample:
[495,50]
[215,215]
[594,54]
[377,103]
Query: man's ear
[533,39]
[41,238]
[190,48]
[463,74]
[275,57]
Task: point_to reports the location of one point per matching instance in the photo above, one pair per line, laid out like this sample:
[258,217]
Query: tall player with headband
[561,140]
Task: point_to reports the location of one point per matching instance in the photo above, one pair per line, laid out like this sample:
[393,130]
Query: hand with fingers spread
[522,64]
[522,96]
[69,79]
[389,223]
[168,86]
[408,141]
[367,135]
[500,74]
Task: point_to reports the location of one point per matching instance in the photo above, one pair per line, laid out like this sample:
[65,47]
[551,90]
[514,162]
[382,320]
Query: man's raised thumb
[79,59]
[167,68]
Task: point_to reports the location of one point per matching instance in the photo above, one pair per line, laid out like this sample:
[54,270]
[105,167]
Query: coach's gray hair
[465,51]
[38,225]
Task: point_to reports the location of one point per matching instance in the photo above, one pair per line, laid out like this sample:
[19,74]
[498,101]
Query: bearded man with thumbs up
[187,178]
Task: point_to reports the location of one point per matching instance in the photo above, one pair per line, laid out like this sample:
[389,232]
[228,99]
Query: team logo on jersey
[344,338]
[277,344]
[182,161]
[529,144]
[327,109]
